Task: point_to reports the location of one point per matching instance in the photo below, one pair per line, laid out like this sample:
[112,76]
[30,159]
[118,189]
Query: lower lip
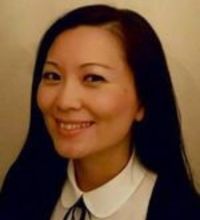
[72,133]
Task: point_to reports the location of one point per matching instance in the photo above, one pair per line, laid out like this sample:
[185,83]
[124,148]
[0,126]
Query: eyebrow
[49,62]
[96,64]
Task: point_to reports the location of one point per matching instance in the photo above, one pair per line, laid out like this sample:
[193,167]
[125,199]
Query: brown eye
[94,78]
[51,76]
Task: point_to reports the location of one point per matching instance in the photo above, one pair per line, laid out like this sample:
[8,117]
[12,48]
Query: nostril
[67,103]
[69,95]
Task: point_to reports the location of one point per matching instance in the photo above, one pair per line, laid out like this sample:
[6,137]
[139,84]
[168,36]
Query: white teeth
[74,126]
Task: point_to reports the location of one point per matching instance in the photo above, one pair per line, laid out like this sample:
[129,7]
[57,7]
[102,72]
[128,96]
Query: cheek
[44,99]
[117,103]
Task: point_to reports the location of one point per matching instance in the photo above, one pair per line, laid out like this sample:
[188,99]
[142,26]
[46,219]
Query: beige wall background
[22,24]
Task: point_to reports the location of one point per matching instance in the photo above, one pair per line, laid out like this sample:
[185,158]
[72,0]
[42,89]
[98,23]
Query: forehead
[87,41]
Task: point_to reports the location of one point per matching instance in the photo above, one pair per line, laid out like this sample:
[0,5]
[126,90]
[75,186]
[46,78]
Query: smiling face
[87,94]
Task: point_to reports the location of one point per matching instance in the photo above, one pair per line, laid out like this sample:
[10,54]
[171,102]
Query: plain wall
[22,24]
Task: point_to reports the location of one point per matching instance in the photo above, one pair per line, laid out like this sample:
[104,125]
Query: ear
[140,114]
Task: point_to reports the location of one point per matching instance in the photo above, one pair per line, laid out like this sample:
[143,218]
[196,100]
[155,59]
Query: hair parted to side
[157,138]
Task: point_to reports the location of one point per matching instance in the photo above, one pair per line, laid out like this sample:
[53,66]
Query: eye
[94,78]
[51,76]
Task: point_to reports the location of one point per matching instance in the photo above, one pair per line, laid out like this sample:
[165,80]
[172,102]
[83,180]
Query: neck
[96,170]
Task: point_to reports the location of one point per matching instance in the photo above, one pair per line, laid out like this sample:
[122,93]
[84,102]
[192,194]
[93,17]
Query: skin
[88,99]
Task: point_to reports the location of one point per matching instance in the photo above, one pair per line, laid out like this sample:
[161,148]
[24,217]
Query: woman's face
[87,94]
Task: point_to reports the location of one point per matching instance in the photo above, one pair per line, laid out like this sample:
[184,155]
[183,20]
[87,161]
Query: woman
[104,135]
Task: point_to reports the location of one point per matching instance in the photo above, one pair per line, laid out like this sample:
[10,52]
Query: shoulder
[173,201]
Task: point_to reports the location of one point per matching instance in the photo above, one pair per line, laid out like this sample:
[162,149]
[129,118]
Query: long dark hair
[38,173]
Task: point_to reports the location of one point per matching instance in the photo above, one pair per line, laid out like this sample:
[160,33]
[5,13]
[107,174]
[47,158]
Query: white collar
[108,198]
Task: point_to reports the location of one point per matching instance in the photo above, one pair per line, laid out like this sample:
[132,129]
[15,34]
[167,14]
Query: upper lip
[73,121]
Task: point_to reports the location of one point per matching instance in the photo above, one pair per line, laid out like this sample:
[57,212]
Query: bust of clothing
[126,196]
[163,199]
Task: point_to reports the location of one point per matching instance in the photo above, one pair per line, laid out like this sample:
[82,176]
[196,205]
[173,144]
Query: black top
[169,201]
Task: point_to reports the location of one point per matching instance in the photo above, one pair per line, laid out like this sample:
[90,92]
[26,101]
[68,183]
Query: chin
[68,152]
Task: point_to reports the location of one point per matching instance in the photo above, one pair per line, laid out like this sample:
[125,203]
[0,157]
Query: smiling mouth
[69,126]
[73,127]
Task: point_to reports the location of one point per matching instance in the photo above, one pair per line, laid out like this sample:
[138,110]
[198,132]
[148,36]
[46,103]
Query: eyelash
[94,78]
[90,79]
[51,76]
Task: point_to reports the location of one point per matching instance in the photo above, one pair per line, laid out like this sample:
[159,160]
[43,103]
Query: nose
[69,97]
